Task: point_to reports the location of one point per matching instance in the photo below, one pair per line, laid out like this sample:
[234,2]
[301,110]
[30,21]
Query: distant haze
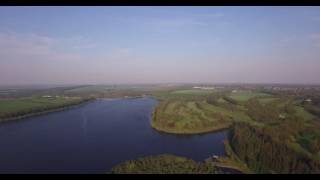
[98,45]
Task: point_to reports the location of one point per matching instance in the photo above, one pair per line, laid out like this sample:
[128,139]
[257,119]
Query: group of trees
[164,164]
[230,100]
[263,152]
[311,103]
[310,137]
[261,113]
[270,112]
[284,142]
[213,98]
[315,110]
[230,104]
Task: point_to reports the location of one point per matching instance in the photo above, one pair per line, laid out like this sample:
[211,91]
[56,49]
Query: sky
[107,45]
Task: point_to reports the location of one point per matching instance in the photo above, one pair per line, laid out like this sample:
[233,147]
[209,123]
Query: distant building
[308,100]
[204,88]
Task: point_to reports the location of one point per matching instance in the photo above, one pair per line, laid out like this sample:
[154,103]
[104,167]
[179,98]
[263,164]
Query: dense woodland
[286,143]
[165,164]
[263,150]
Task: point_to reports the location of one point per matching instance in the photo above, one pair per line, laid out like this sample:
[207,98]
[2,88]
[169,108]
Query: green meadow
[189,112]
[13,108]
[246,95]
[193,92]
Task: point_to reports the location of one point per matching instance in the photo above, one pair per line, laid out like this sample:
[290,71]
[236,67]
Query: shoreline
[18,118]
[121,98]
[197,132]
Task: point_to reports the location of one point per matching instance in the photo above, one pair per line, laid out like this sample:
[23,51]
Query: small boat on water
[215,157]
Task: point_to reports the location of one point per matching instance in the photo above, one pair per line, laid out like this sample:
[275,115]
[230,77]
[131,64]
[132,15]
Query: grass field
[187,111]
[266,100]
[193,92]
[194,116]
[242,96]
[301,112]
[90,89]
[188,117]
[16,107]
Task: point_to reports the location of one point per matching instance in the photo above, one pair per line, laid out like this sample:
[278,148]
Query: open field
[16,108]
[90,89]
[265,100]
[199,111]
[9,106]
[301,112]
[246,95]
[188,117]
[193,92]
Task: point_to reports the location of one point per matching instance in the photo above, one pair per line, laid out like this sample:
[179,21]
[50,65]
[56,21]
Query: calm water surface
[94,137]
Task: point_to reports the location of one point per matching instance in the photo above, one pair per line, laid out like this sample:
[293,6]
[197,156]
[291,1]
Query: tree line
[27,111]
[264,151]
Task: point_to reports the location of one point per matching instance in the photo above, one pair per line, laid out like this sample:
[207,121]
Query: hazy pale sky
[80,45]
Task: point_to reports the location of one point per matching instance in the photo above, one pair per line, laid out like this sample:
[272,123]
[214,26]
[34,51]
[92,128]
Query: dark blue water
[94,137]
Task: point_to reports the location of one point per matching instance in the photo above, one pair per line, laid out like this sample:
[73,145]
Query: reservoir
[94,137]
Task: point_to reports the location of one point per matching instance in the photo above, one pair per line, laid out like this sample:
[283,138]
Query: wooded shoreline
[42,112]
